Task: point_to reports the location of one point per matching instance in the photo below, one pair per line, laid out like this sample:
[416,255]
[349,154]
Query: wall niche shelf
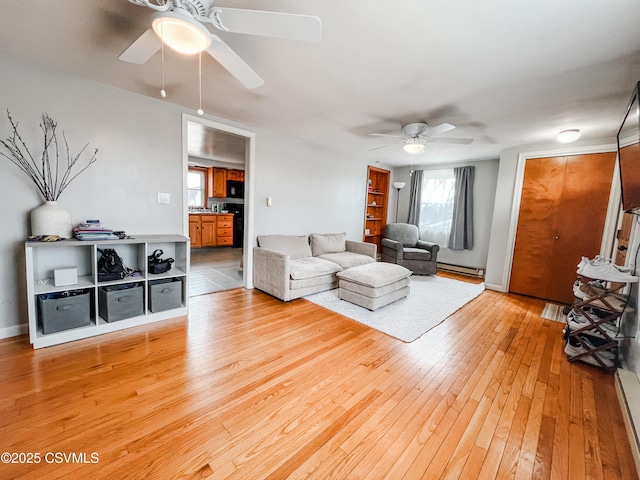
[73,312]
[375,216]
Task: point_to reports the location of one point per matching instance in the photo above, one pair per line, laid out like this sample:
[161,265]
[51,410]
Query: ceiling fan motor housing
[414,129]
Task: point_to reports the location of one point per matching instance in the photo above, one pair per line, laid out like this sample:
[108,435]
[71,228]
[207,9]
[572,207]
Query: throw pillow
[296,246]
[328,243]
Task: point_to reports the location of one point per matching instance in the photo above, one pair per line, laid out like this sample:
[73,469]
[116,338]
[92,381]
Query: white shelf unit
[42,258]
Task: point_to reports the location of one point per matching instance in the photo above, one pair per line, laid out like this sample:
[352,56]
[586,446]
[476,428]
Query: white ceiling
[505,72]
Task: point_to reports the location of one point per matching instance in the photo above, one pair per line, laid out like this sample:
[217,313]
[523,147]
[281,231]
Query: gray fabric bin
[64,313]
[165,294]
[120,302]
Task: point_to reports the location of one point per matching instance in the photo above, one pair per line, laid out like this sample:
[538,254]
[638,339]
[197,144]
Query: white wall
[484,187]
[140,142]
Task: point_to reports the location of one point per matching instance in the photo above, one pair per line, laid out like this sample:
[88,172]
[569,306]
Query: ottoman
[374,285]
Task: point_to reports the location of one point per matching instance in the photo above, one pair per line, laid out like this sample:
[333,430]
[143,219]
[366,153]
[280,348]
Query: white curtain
[436,208]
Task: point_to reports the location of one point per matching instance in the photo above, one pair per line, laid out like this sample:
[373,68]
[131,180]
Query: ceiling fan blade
[142,49]
[460,141]
[378,148]
[291,26]
[438,129]
[385,135]
[236,66]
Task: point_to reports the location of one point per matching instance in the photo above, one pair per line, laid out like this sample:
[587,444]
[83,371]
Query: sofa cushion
[376,274]
[416,254]
[309,267]
[328,243]
[296,246]
[348,259]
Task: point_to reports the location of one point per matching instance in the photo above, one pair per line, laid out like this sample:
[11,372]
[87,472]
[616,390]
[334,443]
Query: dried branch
[48,178]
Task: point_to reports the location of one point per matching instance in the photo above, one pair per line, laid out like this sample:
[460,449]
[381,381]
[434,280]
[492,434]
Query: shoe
[604,271]
[600,260]
[577,320]
[607,356]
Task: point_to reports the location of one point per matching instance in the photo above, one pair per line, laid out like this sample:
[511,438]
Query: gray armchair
[401,244]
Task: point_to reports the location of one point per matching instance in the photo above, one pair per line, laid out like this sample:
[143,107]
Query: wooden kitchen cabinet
[237,175]
[208,230]
[194,231]
[224,230]
[218,182]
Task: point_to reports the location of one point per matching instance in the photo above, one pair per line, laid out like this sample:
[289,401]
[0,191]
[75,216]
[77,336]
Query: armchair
[401,244]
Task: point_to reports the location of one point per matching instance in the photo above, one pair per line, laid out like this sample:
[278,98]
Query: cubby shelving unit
[42,258]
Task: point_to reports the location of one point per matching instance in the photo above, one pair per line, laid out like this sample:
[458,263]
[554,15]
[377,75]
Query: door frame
[249,165]
[613,207]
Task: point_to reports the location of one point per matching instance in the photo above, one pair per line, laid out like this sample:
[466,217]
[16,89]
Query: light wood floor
[253,388]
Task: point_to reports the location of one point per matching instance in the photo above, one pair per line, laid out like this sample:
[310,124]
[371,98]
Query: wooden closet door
[562,215]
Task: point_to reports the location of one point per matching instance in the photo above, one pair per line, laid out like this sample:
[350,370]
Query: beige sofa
[292,266]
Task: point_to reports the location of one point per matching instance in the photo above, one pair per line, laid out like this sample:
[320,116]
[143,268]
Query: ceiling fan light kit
[413,146]
[181,32]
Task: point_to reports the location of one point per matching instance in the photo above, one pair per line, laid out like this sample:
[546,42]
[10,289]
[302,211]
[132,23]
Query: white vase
[51,219]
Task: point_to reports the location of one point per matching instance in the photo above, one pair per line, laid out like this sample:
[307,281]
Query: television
[629,155]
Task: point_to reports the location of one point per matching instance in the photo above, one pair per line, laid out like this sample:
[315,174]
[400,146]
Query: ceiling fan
[180,25]
[415,136]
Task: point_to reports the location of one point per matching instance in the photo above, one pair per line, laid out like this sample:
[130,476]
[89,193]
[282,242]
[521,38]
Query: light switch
[164,197]
[269,202]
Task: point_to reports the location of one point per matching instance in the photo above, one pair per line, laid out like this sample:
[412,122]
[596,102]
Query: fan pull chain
[200,112]
[163,92]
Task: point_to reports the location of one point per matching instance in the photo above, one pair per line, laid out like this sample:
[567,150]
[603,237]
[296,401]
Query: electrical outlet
[164,197]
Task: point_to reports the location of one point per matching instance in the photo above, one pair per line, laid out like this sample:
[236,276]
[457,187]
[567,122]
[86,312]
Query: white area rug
[432,299]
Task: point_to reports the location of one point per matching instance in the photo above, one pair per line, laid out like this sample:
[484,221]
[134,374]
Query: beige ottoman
[374,285]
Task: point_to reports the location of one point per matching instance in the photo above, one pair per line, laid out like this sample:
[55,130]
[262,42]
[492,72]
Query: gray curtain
[461,237]
[415,196]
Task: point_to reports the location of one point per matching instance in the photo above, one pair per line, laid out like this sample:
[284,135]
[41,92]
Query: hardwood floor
[253,388]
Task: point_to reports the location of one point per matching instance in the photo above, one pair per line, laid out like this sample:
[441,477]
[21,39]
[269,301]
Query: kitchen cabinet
[211,229]
[237,175]
[208,230]
[218,182]
[194,231]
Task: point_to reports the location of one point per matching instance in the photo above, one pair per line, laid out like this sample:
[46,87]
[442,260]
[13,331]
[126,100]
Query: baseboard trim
[628,388]
[14,331]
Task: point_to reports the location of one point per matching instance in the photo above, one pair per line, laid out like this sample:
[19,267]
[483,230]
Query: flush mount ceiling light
[180,32]
[413,146]
[567,136]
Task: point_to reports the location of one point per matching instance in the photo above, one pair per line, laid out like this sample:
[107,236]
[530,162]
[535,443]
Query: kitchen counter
[209,213]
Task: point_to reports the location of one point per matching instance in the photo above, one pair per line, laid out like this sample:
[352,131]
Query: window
[196,187]
[436,206]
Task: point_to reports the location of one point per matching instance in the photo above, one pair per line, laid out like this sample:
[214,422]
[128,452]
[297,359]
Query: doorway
[212,145]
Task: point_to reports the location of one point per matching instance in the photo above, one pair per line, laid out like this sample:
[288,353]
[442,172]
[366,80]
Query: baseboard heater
[472,271]
[628,390]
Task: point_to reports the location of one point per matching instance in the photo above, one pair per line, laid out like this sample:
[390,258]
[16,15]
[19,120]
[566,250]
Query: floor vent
[474,272]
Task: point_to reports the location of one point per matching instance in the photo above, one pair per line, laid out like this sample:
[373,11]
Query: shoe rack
[602,307]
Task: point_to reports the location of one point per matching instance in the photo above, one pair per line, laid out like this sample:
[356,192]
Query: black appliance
[235,189]
[238,222]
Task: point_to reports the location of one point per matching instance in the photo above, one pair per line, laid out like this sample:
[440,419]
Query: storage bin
[64,311]
[118,302]
[165,294]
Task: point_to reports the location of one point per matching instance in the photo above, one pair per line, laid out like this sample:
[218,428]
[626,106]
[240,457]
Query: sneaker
[607,356]
[617,302]
[605,271]
[600,260]
[577,321]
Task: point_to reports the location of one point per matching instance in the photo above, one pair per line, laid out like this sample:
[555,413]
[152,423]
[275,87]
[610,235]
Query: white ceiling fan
[415,136]
[180,25]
